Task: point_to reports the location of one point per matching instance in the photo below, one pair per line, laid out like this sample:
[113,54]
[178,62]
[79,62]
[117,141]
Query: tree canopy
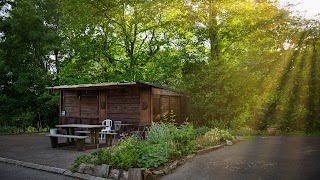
[243,63]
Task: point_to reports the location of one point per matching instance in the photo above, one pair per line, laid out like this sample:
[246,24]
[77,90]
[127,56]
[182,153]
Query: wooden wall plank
[145,106]
[156,109]
[89,104]
[124,105]
[123,100]
[175,108]
[164,105]
[103,106]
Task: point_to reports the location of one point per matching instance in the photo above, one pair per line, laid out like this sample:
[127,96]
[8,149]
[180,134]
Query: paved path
[36,148]
[10,172]
[278,157]
[34,151]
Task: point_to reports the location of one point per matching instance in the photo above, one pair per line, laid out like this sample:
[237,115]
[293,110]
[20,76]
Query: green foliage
[101,156]
[213,137]
[160,132]
[81,159]
[178,139]
[10,130]
[123,156]
[246,131]
[134,152]
[116,41]
[31,129]
[249,64]
[28,38]
[151,155]
[202,130]
[16,130]
[44,129]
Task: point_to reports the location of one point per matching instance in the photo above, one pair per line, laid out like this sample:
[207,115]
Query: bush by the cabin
[213,137]
[17,130]
[164,142]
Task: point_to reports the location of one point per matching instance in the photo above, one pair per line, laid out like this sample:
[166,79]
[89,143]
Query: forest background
[244,63]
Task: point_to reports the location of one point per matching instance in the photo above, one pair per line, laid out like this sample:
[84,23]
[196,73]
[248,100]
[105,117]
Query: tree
[122,40]
[28,39]
[244,45]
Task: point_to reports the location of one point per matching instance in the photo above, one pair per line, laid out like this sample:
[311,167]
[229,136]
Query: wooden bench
[83,132]
[80,140]
[108,136]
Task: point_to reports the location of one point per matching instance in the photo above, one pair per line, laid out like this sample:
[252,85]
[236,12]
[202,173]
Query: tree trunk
[213,30]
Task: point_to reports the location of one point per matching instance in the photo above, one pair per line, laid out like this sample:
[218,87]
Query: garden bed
[141,173]
[165,148]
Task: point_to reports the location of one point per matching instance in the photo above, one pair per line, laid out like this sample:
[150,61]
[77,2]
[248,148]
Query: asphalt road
[278,157]
[13,172]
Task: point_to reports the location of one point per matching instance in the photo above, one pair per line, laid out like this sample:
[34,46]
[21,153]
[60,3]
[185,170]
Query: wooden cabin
[138,103]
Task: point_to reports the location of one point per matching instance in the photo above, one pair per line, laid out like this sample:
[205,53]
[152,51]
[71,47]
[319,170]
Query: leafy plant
[44,129]
[81,159]
[10,130]
[31,129]
[213,137]
[151,155]
[101,156]
[160,132]
[178,140]
[123,156]
[202,130]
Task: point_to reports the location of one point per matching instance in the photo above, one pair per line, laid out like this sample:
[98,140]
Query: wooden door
[145,107]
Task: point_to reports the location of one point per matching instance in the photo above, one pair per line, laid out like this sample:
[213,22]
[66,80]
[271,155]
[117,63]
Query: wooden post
[80,144]
[54,142]
[92,136]
[96,133]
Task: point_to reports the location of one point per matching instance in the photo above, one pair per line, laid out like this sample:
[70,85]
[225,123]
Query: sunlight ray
[284,78]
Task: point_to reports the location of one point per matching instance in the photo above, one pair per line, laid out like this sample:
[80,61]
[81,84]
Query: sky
[310,8]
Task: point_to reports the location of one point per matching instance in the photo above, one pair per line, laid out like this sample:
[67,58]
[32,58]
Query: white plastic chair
[107,129]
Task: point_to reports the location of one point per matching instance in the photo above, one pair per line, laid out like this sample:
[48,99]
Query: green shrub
[202,130]
[10,130]
[123,156]
[44,129]
[101,156]
[243,131]
[213,137]
[31,129]
[164,141]
[151,155]
[182,141]
[160,133]
[178,140]
[225,135]
[81,159]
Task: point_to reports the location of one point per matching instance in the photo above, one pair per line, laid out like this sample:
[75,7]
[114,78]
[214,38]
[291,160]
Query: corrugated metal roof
[108,85]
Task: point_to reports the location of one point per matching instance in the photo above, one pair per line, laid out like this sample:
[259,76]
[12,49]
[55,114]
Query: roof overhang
[109,85]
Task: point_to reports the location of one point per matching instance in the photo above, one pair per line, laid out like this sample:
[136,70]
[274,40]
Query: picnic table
[94,130]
